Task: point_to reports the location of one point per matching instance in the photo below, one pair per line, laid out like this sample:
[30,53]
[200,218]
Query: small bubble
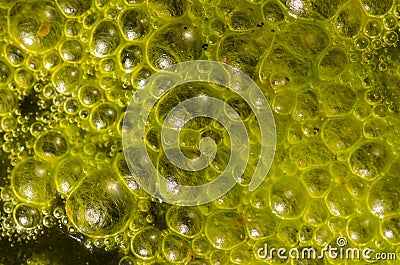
[24,78]
[99,242]
[103,116]
[71,106]
[72,28]
[58,212]
[367,56]
[9,223]
[51,60]
[34,63]
[66,79]
[14,55]
[71,50]
[373,28]
[390,37]
[8,207]
[362,42]
[89,95]
[390,22]
[107,65]
[26,216]
[105,39]
[74,8]
[383,66]
[71,229]
[8,124]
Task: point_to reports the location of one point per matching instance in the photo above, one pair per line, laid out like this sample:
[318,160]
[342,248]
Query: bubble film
[69,69]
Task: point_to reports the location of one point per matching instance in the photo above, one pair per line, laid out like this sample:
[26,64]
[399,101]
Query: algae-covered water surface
[330,75]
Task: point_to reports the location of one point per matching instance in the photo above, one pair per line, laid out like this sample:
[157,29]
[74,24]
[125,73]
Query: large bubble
[32,182]
[101,204]
[36,25]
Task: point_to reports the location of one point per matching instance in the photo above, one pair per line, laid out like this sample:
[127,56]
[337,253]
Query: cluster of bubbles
[329,69]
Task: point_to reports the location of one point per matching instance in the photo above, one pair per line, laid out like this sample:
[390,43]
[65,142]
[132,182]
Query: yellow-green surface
[68,69]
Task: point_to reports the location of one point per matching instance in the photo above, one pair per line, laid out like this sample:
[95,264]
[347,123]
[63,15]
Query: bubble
[259,223]
[104,116]
[307,106]
[362,228]
[243,19]
[168,8]
[5,72]
[8,207]
[390,229]
[239,255]
[8,103]
[390,22]
[390,38]
[71,50]
[66,79]
[373,28]
[316,212]
[36,25]
[105,39]
[68,173]
[374,128]
[349,20]
[74,8]
[24,78]
[6,194]
[313,40]
[337,224]
[26,216]
[134,23]
[89,95]
[139,78]
[72,28]
[101,204]
[201,245]
[184,221]
[71,106]
[224,231]
[340,202]
[273,12]
[127,260]
[337,99]
[306,233]
[323,235]
[165,48]
[146,243]
[287,198]
[130,57]
[32,183]
[8,223]
[340,134]
[49,221]
[51,145]
[34,63]
[107,65]
[51,60]
[369,160]
[333,62]
[377,8]
[14,55]
[317,181]
[90,19]
[175,248]
[310,153]
[384,197]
